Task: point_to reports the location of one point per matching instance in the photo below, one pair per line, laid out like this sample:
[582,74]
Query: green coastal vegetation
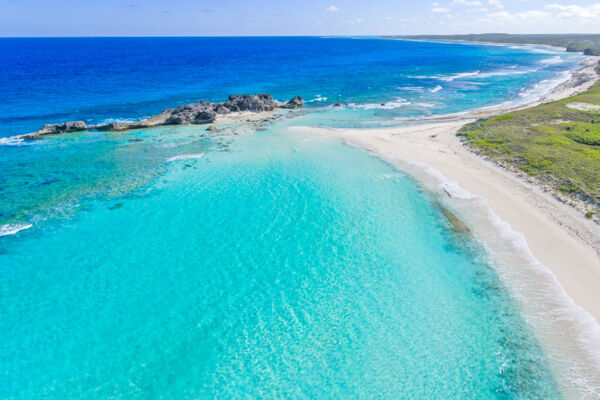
[587,44]
[557,144]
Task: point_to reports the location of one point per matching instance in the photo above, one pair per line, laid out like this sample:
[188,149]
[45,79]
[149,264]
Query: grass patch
[584,133]
[589,214]
[568,189]
[563,155]
[504,117]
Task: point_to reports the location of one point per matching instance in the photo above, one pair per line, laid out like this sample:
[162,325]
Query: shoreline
[545,250]
[580,80]
[474,42]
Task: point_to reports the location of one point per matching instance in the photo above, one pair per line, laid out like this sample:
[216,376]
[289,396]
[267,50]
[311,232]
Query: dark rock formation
[295,102]
[62,127]
[256,103]
[199,113]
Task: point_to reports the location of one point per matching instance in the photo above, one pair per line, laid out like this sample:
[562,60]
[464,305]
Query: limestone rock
[61,127]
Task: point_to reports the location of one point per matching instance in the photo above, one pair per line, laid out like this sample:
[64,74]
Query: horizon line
[281,36]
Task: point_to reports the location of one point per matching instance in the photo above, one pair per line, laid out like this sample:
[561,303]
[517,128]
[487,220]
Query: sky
[284,17]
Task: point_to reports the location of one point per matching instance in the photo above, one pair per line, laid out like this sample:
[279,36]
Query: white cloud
[524,18]
[332,8]
[551,15]
[496,3]
[478,10]
[473,3]
[576,12]
[559,16]
[354,21]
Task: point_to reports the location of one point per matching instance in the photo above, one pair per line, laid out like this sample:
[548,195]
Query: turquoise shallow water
[273,266]
[248,263]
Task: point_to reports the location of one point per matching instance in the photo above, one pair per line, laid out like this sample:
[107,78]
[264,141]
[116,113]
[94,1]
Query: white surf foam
[390,105]
[436,89]
[14,141]
[535,49]
[185,157]
[11,229]
[505,73]
[544,87]
[447,78]
[452,188]
[527,95]
[459,76]
[476,74]
[317,99]
[552,60]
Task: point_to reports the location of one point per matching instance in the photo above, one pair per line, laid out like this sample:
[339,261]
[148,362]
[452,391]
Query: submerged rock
[199,113]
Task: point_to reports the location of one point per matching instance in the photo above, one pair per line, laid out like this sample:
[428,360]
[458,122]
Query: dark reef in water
[199,113]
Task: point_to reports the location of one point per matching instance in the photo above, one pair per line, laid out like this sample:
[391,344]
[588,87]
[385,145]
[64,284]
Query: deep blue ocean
[250,262]
[46,80]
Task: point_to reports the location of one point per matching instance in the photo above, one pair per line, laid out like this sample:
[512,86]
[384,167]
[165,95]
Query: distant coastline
[577,43]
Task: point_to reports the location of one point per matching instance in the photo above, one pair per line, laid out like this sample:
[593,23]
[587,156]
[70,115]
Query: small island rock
[202,112]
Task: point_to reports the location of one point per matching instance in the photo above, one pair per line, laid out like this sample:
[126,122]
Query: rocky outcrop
[199,113]
[62,127]
[258,103]
[295,102]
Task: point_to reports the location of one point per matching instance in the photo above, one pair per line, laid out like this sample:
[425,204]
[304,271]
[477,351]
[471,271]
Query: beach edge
[556,235]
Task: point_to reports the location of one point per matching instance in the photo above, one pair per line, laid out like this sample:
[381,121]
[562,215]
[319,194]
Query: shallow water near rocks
[283,266]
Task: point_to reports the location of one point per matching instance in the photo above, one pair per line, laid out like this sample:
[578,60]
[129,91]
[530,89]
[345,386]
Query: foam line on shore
[543,301]
[564,85]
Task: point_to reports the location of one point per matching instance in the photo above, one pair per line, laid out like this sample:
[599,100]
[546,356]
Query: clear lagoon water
[248,263]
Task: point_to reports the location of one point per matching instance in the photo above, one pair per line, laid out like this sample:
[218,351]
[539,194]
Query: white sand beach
[559,236]
[556,234]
